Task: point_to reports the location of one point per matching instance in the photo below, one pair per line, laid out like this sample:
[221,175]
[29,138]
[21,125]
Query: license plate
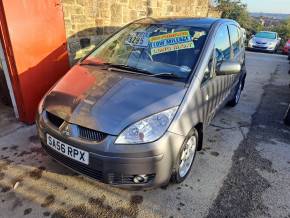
[68,150]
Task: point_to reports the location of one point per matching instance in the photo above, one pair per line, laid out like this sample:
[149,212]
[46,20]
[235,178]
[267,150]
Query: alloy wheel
[187,156]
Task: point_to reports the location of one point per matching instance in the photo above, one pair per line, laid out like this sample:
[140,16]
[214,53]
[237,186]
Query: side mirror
[228,68]
[279,39]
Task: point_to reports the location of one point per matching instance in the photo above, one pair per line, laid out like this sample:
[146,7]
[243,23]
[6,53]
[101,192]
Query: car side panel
[194,109]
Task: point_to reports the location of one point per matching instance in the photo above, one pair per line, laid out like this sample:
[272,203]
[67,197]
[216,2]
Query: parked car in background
[265,41]
[286,47]
[132,113]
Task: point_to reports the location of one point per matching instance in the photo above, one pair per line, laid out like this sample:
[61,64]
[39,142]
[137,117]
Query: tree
[283,29]
[255,26]
[236,10]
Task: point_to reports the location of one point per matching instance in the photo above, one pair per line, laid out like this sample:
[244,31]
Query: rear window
[266,35]
[157,48]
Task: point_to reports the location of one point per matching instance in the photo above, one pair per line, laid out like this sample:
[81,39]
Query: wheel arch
[199,127]
[244,75]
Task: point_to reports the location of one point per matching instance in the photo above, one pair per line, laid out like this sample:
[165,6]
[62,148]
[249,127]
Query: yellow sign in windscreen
[170,42]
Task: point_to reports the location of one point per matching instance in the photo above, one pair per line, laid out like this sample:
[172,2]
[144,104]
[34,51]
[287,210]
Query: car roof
[185,21]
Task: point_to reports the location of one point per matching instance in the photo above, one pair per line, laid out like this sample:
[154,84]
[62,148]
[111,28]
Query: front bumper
[261,48]
[118,164]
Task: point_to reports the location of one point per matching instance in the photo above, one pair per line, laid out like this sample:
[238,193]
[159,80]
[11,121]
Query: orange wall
[38,41]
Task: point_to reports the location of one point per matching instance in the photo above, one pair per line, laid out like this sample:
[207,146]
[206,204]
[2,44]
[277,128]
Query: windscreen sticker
[170,42]
[138,39]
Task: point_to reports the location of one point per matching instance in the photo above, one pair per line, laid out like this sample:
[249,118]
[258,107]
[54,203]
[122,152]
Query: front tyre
[235,100]
[185,158]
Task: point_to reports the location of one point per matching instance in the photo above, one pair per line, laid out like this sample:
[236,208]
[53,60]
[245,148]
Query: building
[41,39]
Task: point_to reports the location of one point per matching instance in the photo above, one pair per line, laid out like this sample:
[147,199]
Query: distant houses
[269,20]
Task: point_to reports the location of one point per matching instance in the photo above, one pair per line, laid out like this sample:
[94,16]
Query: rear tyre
[185,158]
[235,100]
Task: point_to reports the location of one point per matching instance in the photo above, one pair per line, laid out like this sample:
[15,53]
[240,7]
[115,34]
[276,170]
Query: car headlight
[147,130]
[272,44]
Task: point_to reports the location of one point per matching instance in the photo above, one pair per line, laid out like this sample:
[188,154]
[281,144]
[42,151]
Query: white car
[265,41]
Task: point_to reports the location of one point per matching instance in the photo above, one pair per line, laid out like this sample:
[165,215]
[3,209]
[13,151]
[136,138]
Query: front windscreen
[266,35]
[155,48]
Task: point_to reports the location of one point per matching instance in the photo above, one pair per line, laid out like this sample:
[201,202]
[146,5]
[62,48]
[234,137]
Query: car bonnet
[108,101]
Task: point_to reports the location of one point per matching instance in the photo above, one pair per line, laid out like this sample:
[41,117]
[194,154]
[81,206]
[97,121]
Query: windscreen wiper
[128,68]
[123,67]
[166,75]
[90,63]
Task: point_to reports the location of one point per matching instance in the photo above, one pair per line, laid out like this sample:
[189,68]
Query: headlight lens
[271,43]
[147,130]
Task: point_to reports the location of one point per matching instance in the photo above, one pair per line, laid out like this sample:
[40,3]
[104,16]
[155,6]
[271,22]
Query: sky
[268,6]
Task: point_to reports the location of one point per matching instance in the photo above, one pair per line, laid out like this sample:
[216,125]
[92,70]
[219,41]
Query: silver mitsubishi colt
[132,112]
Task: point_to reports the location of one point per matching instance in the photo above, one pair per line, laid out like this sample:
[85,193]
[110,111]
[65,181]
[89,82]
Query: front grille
[91,135]
[260,47]
[55,120]
[83,132]
[79,167]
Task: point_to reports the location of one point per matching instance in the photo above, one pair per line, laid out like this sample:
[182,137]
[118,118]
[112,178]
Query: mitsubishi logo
[65,129]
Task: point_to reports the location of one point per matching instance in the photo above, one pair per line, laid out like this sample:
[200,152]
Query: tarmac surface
[242,171]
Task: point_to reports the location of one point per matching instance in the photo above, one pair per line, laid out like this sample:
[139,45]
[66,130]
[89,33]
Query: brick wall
[89,21]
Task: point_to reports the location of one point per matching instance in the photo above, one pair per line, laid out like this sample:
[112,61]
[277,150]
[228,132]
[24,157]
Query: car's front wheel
[185,157]
[235,100]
